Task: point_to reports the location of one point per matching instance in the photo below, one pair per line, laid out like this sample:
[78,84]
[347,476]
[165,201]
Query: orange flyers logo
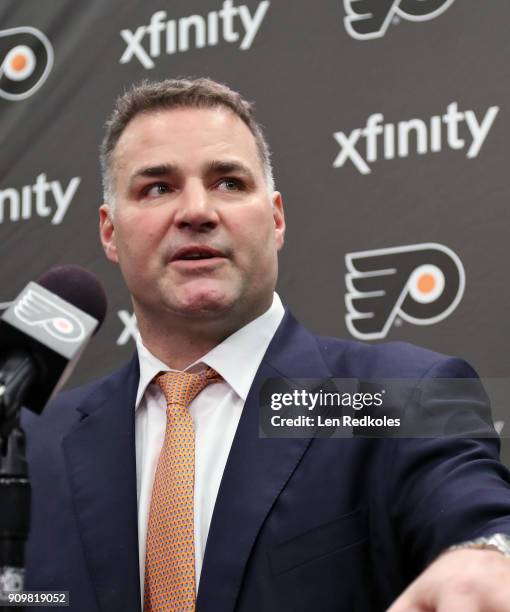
[420,283]
[37,310]
[26,58]
[368,19]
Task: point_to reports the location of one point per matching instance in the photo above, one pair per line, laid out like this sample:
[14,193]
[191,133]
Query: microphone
[42,335]
[44,332]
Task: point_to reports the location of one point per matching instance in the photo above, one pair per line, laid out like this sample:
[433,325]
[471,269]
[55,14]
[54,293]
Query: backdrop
[388,125]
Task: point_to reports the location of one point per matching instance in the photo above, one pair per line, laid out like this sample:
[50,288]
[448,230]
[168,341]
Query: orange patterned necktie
[170,547]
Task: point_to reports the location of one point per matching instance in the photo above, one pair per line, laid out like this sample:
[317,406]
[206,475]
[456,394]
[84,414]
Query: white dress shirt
[215,411]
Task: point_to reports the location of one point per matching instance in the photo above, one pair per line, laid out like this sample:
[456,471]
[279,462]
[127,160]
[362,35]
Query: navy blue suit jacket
[299,524]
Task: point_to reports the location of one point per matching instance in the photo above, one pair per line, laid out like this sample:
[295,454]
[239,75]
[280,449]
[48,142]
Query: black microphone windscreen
[79,287]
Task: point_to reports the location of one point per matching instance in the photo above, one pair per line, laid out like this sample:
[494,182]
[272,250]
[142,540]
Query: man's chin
[204,304]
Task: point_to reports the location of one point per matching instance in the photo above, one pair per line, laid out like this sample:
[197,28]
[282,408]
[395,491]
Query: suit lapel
[257,470]
[101,464]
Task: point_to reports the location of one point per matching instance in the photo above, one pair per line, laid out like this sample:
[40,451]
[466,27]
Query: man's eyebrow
[153,172]
[229,166]
[213,167]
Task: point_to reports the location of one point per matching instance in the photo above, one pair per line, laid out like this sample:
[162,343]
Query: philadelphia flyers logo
[36,309]
[368,19]
[26,58]
[420,283]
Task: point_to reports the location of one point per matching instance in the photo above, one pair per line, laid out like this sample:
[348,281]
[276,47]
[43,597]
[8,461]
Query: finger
[460,603]
[407,603]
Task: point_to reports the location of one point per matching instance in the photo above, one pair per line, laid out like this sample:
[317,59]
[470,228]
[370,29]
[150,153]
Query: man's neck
[180,343]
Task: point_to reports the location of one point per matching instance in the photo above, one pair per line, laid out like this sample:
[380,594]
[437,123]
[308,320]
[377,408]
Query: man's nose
[195,209]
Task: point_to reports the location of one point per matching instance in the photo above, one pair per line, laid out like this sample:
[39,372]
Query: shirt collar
[236,359]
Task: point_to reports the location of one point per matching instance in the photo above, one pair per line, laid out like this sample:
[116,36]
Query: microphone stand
[16,376]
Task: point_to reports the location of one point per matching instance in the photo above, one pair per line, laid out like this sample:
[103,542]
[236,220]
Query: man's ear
[107,233]
[279,219]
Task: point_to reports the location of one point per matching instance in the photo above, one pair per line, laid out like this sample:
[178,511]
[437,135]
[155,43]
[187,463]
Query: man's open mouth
[190,253]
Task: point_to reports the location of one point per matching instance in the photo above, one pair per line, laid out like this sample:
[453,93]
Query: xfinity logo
[232,24]
[130,327]
[368,19]
[363,146]
[420,283]
[42,199]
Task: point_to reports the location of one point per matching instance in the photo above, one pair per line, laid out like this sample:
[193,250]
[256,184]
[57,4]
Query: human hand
[464,580]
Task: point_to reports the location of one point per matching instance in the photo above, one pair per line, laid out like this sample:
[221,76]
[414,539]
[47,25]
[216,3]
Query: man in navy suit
[192,218]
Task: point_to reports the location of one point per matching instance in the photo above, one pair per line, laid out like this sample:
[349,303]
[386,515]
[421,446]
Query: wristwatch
[499,542]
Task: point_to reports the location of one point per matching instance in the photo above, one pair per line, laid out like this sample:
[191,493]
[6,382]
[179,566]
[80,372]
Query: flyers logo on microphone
[36,309]
[26,58]
[420,283]
[368,19]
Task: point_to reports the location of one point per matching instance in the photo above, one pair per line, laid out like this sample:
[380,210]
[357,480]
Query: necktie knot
[181,388]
